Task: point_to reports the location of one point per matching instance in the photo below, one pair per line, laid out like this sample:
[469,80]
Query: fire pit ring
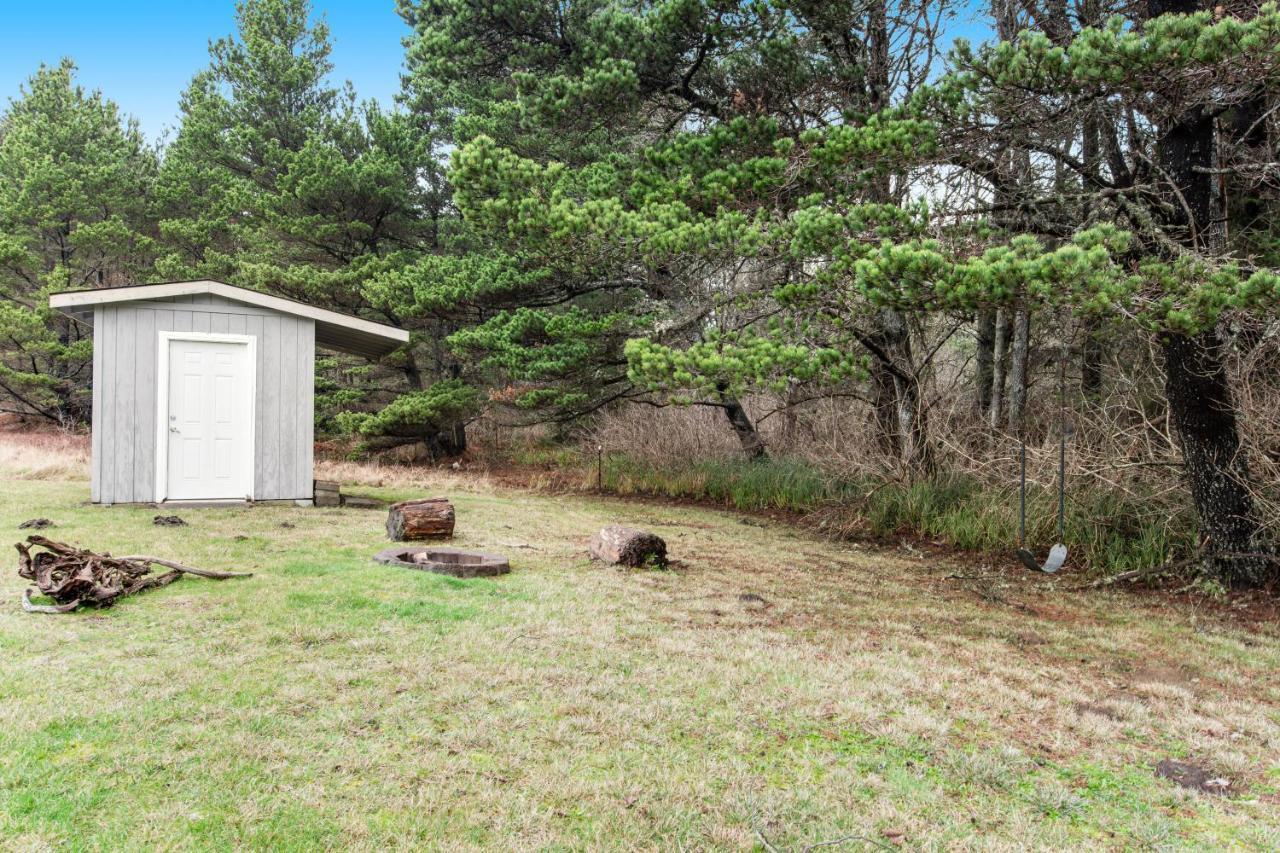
[445,561]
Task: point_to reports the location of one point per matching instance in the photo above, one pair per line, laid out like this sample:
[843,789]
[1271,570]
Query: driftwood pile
[75,577]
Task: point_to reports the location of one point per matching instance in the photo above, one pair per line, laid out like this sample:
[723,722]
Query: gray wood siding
[126,354]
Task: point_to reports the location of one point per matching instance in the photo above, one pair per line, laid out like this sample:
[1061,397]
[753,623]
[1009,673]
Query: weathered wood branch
[76,577]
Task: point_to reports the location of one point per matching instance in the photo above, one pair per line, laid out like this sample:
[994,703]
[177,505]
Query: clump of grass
[1106,530]
[543,454]
[784,484]
[49,455]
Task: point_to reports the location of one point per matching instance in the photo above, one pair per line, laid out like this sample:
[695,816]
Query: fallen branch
[186,570]
[46,608]
[76,577]
[1174,566]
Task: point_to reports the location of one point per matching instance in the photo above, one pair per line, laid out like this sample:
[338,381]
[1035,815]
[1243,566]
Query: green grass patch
[1105,530]
[330,702]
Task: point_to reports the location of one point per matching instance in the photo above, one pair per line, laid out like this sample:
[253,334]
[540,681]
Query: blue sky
[142,53]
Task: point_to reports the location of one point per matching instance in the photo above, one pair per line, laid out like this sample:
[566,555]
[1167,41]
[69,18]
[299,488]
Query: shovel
[1058,553]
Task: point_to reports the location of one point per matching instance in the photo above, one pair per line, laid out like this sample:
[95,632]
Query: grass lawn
[330,702]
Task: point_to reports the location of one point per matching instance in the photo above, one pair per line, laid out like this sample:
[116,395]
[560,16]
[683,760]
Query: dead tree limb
[186,570]
[76,577]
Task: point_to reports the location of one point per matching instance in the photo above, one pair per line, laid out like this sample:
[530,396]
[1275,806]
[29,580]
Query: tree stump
[429,518]
[627,546]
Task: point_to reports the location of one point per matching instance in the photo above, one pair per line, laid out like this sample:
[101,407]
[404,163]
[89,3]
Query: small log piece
[627,546]
[430,518]
[326,493]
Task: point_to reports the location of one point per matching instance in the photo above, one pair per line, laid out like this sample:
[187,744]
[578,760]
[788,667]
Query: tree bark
[1018,358]
[1204,417]
[1197,387]
[752,444]
[430,518]
[995,406]
[448,441]
[899,411]
[626,546]
[913,434]
[1091,347]
[1013,326]
[884,397]
[984,360]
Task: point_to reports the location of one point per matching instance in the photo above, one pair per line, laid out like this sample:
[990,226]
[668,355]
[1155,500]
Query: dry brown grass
[373,473]
[44,455]
[1120,443]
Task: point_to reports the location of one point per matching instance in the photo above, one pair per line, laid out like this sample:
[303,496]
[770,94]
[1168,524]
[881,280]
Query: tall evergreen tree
[1150,254]
[307,194]
[612,92]
[75,182]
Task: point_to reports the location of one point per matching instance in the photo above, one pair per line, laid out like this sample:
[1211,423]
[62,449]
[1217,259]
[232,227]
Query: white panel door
[209,421]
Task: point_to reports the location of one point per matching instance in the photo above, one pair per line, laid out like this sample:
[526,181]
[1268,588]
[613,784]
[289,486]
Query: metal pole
[1062,485]
[1022,500]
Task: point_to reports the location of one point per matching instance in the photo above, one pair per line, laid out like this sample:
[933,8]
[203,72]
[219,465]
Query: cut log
[627,546]
[430,518]
[326,493]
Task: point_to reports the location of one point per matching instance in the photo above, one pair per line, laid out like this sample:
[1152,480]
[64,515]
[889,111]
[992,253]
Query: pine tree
[75,180]
[307,194]
[749,193]
[563,110]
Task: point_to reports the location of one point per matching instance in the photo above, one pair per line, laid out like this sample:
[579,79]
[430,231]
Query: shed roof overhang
[335,331]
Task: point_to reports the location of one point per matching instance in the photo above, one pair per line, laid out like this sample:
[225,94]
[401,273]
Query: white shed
[204,392]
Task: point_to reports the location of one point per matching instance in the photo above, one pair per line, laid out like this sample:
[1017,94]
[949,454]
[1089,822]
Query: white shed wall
[125,353]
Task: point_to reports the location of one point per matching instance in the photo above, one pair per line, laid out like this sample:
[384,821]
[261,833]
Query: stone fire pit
[445,561]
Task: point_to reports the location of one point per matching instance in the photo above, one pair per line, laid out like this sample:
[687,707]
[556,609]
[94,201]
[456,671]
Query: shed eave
[333,330]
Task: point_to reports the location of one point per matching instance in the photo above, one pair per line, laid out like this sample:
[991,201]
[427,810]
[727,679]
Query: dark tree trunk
[884,398]
[1197,387]
[1013,326]
[897,400]
[1091,347]
[1018,366]
[1204,417]
[999,364]
[913,433]
[984,360]
[743,428]
[913,426]
[447,442]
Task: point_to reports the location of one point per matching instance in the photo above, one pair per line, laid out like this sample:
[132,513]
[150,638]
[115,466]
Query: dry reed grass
[48,455]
